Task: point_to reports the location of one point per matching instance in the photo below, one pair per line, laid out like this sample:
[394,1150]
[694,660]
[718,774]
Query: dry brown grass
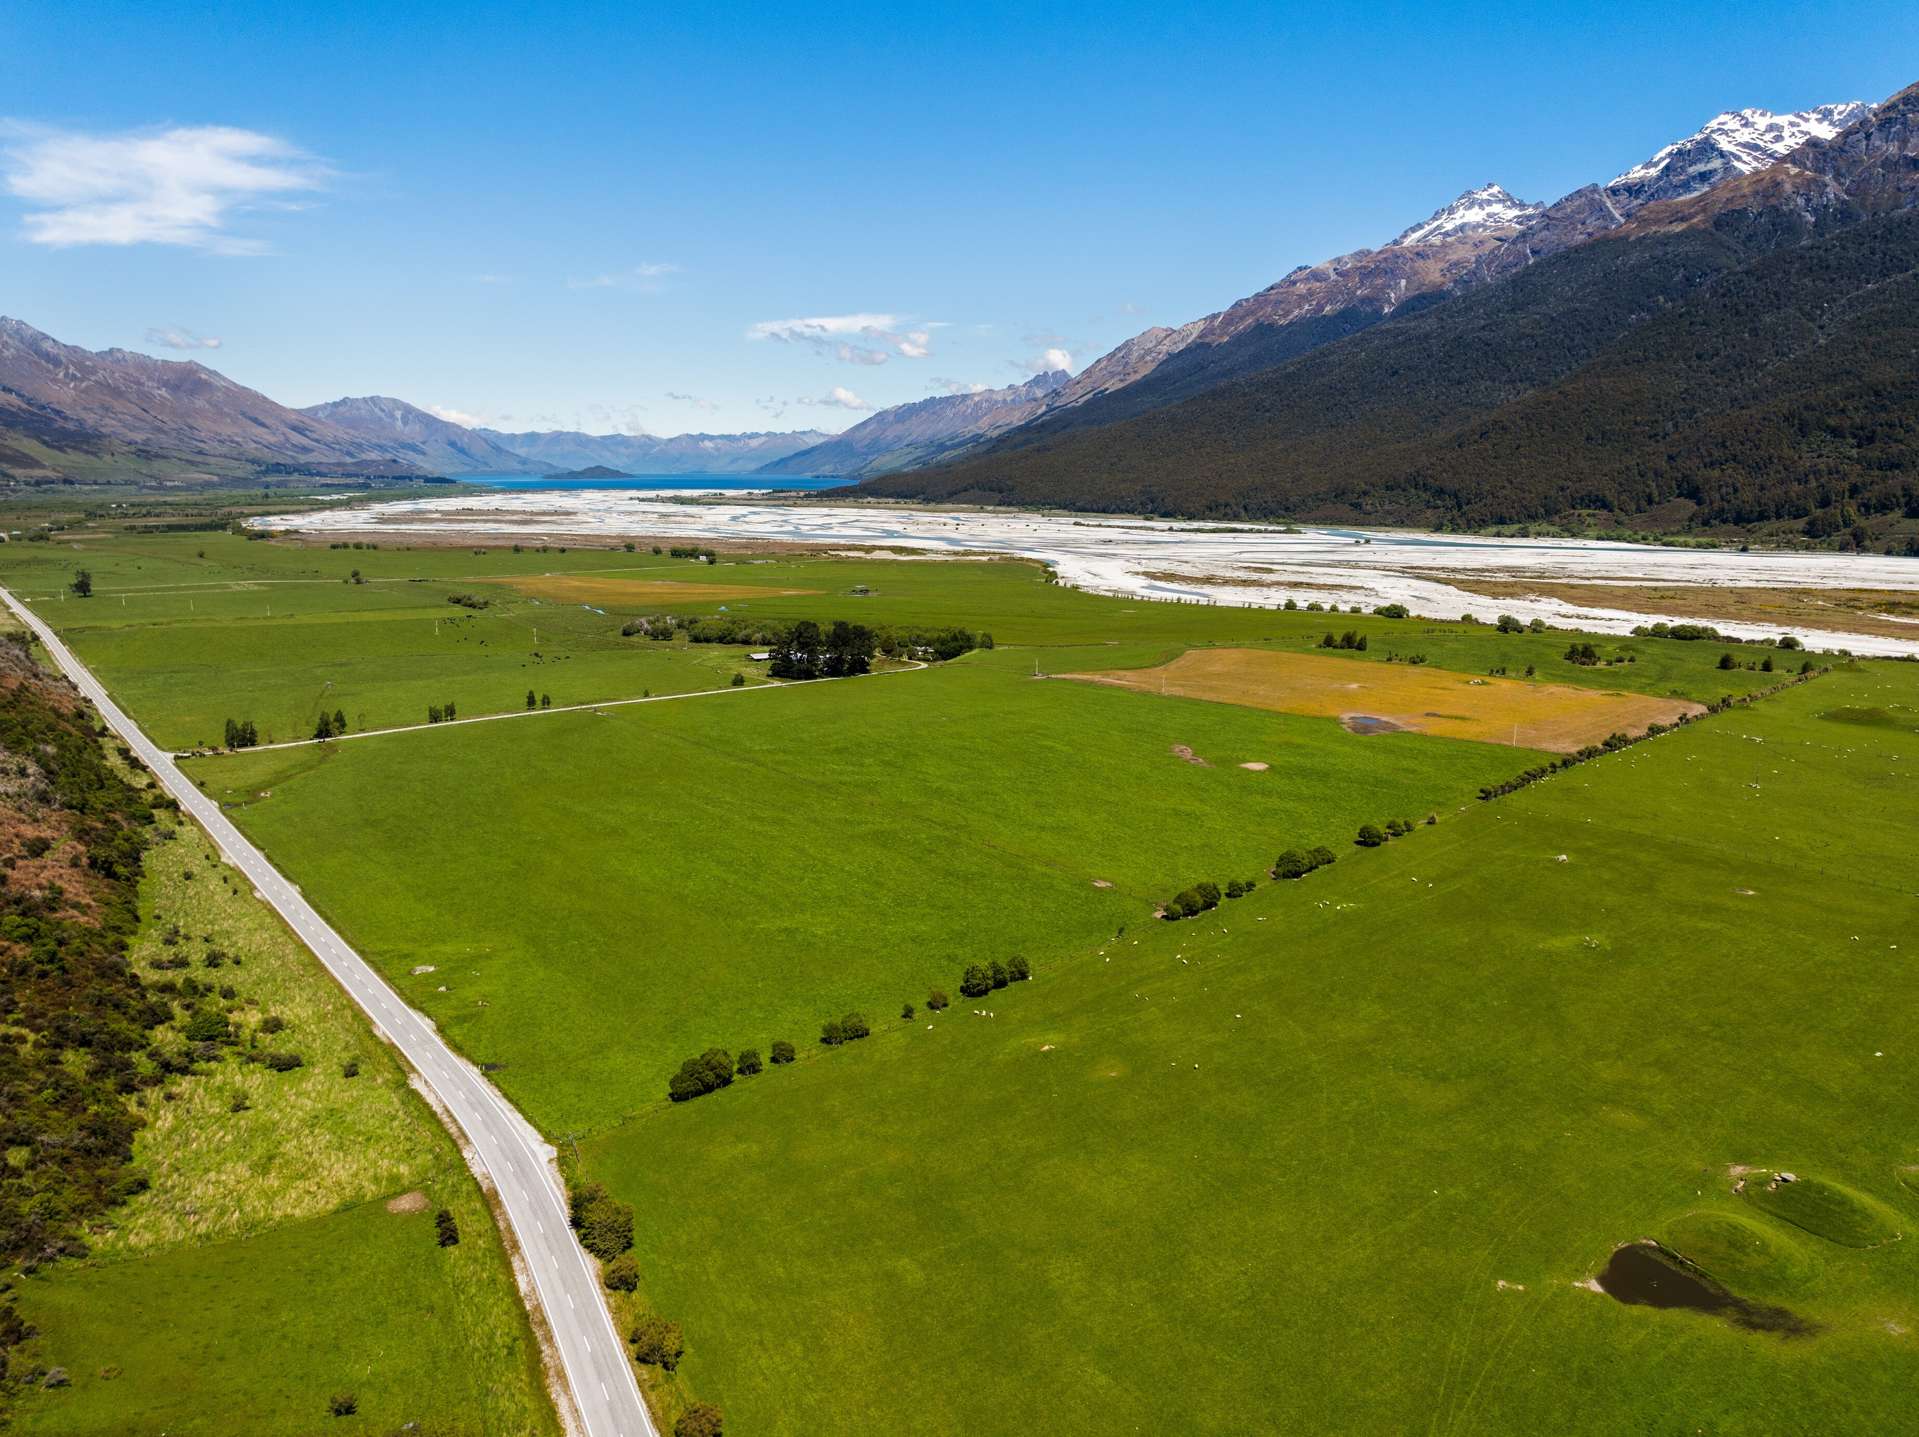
[1416,697]
[598,589]
[1890,612]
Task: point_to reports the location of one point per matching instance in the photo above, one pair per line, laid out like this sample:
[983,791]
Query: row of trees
[1297,863]
[979,979]
[241,733]
[849,1029]
[330,725]
[442,713]
[1617,741]
[1347,640]
[1371,835]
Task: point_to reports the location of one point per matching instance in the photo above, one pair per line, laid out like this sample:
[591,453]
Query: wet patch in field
[1368,723]
[1644,1274]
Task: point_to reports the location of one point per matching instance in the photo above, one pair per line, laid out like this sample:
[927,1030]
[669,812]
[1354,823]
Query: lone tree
[531,700]
[702,1419]
[447,1228]
[82,584]
[781,1051]
[936,1000]
[1369,836]
[1018,969]
[976,981]
[749,1062]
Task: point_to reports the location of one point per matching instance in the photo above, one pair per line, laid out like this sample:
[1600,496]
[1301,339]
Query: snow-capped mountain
[1481,236]
[1488,208]
[1734,143]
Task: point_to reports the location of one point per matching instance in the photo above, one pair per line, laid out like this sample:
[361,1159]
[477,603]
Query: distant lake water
[667,483]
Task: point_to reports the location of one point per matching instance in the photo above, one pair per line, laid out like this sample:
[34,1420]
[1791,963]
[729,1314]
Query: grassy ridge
[1275,1178]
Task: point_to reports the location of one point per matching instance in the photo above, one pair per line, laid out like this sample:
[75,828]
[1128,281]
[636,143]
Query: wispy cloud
[957,386]
[644,278]
[167,337]
[1046,361]
[180,186]
[708,405]
[883,336]
[838,397]
[460,417]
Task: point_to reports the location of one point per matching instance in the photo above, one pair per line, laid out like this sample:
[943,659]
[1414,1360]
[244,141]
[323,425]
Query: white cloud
[839,397]
[1050,359]
[958,386]
[459,416]
[167,337]
[706,405]
[885,336]
[180,186]
[644,278]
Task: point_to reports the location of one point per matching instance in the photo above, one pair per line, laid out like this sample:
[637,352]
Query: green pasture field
[192,629]
[602,894]
[1346,1166]
[261,1273]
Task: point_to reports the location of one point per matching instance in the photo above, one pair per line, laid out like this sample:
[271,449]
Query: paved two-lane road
[594,1359]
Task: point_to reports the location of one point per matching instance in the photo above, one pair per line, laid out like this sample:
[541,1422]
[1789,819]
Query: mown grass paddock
[1417,698]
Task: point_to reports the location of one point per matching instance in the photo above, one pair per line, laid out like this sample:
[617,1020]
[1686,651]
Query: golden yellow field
[1379,697]
[625,593]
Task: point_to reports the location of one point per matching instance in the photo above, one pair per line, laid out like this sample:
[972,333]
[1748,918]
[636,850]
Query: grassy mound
[1827,1209]
[1742,1253]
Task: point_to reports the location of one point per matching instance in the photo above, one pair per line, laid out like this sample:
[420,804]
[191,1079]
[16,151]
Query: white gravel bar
[1245,565]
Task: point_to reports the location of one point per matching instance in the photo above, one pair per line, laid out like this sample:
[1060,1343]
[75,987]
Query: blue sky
[610,217]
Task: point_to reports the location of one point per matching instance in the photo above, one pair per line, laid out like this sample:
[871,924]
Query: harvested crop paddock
[599,589]
[1380,697]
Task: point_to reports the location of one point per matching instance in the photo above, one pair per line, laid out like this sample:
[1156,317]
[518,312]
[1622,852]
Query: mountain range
[1721,335]
[114,416]
[920,432]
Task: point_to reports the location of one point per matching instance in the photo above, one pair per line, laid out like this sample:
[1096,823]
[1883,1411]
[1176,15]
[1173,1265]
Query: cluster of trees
[1297,863]
[330,725]
[688,551]
[77,1014]
[1585,655]
[979,979]
[446,1228]
[849,1029]
[605,1225]
[465,601]
[657,1342]
[241,733]
[441,713]
[1347,640]
[545,700]
[838,652]
[708,1073]
[807,634]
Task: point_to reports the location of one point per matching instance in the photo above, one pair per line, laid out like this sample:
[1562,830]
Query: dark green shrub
[579,1199]
[1292,864]
[657,1342]
[749,1063]
[284,1062]
[998,972]
[622,1274]
[1018,969]
[976,981]
[781,1051]
[606,1229]
[446,1228]
[1369,836]
[343,1404]
[702,1419]
[854,1026]
[936,1000]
